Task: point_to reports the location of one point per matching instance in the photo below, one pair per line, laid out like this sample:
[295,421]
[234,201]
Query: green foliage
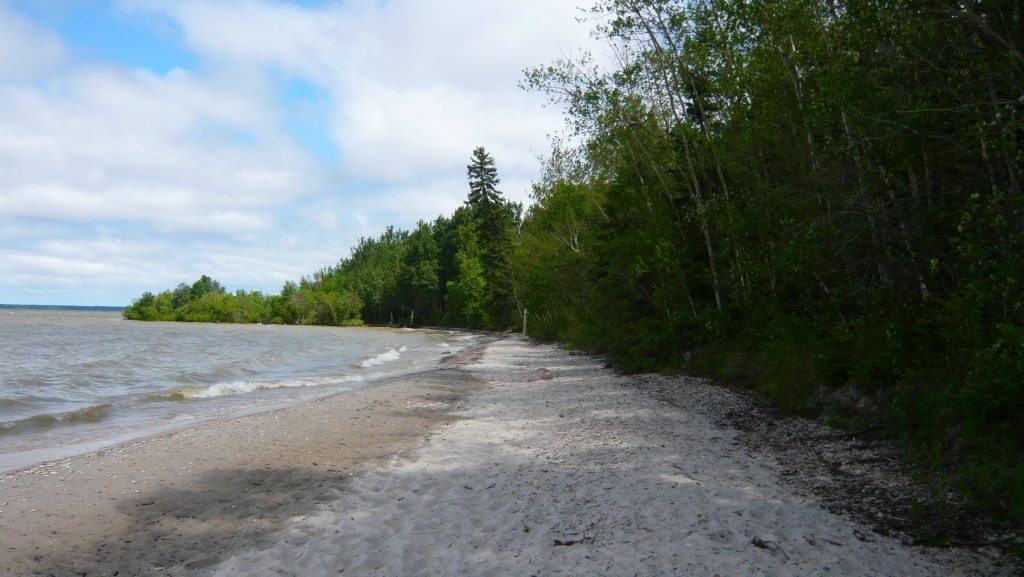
[552,261]
[455,270]
[820,198]
[813,197]
[420,279]
[203,301]
[372,272]
[468,295]
[315,306]
[493,221]
[483,183]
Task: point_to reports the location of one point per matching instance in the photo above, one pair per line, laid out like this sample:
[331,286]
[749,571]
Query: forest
[820,199]
[454,271]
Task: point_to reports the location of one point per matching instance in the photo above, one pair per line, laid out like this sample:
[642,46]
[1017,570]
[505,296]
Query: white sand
[633,486]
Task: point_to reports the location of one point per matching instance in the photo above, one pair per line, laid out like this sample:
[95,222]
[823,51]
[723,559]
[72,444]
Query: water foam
[388,356]
[244,387]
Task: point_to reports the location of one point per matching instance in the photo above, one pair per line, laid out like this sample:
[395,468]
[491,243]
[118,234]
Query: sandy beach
[514,459]
[179,503]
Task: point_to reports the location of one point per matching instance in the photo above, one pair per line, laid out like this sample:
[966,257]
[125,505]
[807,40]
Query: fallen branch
[571,542]
[771,546]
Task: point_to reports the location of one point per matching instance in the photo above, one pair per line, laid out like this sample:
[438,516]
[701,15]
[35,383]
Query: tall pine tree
[494,219]
[483,182]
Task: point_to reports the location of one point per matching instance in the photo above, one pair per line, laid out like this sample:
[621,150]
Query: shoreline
[20,461]
[72,444]
[176,502]
[514,458]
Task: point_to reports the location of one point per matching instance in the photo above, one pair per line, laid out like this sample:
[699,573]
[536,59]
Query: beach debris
[540,374]
[571,542]
[862,537]
[771,546]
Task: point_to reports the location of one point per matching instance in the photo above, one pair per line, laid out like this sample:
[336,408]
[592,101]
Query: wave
[93,414]
[100,364]
[11,403]
[234,370]
[244,387]
[391,354]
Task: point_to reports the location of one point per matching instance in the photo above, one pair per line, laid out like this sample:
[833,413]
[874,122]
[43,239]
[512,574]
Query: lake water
[76,381]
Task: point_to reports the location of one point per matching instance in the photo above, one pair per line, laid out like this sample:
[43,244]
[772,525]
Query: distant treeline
[821,198]
[454,271]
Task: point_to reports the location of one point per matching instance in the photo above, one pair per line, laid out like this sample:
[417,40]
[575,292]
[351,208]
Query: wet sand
[179,503]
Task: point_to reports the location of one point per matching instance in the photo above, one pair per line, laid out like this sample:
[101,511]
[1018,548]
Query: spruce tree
[483,182]
[492,218]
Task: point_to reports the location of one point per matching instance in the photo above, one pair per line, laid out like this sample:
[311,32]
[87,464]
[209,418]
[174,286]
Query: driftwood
[571,542]
[769,545]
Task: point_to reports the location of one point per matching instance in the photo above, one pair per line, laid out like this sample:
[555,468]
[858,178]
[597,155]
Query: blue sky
[144,143]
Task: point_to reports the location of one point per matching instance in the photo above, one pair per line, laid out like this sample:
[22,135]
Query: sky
[144,143]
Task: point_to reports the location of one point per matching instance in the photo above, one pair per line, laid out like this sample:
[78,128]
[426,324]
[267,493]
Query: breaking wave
[391,354]
[243,387]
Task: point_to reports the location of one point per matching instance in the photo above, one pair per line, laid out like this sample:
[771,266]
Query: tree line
[454,271]
[820,198]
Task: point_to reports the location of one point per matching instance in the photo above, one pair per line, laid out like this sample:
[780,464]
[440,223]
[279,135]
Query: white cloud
[26,50]
[113,144]
[120,180]
[232,222]
[416,84]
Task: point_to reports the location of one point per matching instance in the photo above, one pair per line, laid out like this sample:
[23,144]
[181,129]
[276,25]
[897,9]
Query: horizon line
[63,307]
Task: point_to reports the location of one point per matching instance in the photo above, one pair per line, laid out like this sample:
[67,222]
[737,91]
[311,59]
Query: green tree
[468,295]
[813,194]
[483,182]
[419,278]
[205,285]
[373,272]
[494,220]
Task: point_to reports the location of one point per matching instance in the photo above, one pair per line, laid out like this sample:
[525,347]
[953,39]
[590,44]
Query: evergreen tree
[493,220]
[483,181]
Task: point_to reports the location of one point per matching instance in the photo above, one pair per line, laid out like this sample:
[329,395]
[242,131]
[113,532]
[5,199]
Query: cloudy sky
[145,143]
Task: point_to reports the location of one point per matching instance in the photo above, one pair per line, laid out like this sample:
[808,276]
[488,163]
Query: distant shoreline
[60,308]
